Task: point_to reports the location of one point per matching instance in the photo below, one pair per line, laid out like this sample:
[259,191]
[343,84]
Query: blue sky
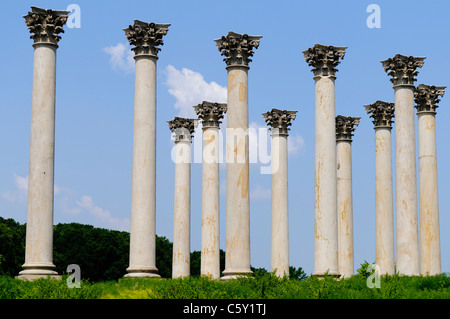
[95,90]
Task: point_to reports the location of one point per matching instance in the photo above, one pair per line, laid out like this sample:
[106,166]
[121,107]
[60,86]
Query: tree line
[102,254]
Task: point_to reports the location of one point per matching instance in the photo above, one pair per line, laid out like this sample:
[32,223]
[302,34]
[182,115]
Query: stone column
[403,72]
[210,114]
[183,129]
[345,126]
[145,38]
[237,49]
[426,98]
[324,60]
[279,122]
[382,114]
[45,25]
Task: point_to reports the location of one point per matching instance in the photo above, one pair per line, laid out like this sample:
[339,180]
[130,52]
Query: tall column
[426,98]
[382,114]
[279,122]
[210,114]
[403,72]
[45,25]
[183,129]
[237,49]
[324,60]
[145,38]
[345,126]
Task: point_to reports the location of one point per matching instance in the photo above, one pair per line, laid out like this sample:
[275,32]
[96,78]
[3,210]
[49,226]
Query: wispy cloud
[190,88]
[121,57]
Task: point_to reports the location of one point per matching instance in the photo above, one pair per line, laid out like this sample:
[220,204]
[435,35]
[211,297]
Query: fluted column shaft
[210,114]
[144,38]
[324,60]
[237,50]
[344,132]
[426,98]
[403,71]
[39,232]
[279,122]
[182,204]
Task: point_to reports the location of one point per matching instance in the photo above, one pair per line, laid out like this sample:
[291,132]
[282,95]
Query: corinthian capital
[210,113]
[183,128]
[237,48]
[146,37]
[324,59]
[402,69]
[427,97]
[382,113]
[345,126]
[279,119]
[45,25]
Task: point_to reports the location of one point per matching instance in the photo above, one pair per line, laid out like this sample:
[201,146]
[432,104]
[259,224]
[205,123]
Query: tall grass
[261,286]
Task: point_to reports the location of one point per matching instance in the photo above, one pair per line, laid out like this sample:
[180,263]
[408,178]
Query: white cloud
[104,216]
[121,57]
[19,194]
[260,193]
[295,143]
[190,88]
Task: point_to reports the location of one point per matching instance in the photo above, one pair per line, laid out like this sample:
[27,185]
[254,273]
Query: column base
[33,271]
[142,272]
[236,273]
[322,275]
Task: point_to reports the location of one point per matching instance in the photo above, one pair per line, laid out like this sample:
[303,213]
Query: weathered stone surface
[183,128]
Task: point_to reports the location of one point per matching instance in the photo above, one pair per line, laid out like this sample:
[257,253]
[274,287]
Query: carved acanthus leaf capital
[403,69]
[210,113]
[183,128]
[280,120]
[382,113]
[427,97]
[146,37]
[237,48]
[345,126]
[324,59]
[45,25]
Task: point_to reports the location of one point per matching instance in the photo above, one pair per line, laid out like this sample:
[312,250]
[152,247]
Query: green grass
[261,286]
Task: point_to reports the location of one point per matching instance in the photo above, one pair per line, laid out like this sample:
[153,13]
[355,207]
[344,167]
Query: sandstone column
[45,25]
[345,126]
[403,72]
[210,115]
[324,60]
[382,114]
[279,122]
[183,129]
[426,98]
[237,50]
[145,38]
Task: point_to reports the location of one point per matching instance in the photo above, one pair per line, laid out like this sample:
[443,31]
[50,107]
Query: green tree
[12,246]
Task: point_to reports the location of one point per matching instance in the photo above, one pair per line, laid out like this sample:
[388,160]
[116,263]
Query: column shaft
[210,243]
[182,208]
[237,243]
[384,207]
[143,193]
[430,251]
[405,182]
[39,236]
[345,208]
[325,217]
[279,220]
